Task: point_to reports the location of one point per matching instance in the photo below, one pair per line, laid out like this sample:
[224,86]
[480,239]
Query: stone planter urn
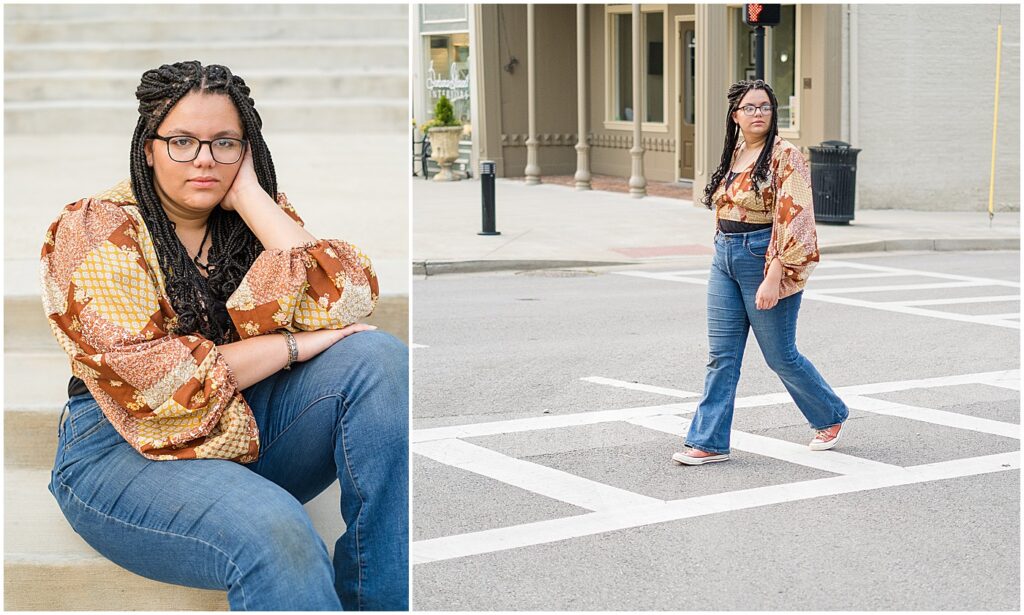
[444,148]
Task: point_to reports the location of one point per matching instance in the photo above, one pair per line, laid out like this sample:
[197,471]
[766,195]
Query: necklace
[204,266]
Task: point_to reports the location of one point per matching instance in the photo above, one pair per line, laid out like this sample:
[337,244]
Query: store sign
[454,87]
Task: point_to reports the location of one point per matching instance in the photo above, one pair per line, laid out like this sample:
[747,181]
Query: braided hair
[198,302]
[732,132]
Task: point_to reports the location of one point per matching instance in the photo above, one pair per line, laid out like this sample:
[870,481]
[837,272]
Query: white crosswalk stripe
[913,306]
[615,508]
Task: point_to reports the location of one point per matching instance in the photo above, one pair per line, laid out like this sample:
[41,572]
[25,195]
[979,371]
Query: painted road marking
[494,428]
[929,274]
[909,307]
[1003,378]
[857,276]
[1010,379]
[556,530]
[534,477]
[896,287]
[828,461]
[879,406]
[620,509]
[636,386]
[957,300]
[913,311]
[936,417]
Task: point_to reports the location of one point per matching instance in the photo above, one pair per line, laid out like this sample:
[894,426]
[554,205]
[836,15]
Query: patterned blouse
[785,202]
[174,396]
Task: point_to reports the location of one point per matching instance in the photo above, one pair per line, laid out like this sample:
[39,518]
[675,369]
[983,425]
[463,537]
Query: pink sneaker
[826,438]
[695,457]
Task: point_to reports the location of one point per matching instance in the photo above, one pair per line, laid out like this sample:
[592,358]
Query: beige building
[911,85]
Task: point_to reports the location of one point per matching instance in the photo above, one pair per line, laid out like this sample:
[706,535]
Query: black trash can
[834,181]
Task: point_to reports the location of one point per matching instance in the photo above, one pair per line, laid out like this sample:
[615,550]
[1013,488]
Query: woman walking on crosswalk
[765,249]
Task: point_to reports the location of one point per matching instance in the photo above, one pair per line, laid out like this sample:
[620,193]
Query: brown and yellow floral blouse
[173,396]
[785,201]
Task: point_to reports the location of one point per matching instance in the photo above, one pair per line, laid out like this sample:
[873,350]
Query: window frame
[610,11]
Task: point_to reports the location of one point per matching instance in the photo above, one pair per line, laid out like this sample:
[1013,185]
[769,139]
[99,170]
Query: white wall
[925,84]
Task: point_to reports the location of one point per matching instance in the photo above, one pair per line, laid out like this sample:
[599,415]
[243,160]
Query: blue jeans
[217,524]
[737,271]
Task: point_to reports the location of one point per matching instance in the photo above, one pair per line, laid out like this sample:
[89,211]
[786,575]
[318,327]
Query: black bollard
[487,197]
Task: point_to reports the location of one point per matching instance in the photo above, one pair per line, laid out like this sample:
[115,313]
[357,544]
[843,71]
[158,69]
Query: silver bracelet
[293,347]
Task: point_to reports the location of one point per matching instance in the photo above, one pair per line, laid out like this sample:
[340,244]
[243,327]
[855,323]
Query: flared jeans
[217,524]
[737,270]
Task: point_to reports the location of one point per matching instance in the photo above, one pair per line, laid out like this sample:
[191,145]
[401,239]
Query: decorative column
[532,168]
[582,147]
[637,181]
[712,83]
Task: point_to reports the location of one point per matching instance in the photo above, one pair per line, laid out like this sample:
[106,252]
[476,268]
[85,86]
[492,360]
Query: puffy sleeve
[171,396]
[325,284]
[794,239]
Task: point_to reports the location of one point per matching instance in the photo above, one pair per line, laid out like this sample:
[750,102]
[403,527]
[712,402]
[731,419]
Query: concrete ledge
[47,566]
[30,437]
[96,585]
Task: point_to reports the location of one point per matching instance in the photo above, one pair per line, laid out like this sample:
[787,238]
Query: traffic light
[762,14]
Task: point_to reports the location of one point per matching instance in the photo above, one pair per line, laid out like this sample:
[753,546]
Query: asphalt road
[547,406]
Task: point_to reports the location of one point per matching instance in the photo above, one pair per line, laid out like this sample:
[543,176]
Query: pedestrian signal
[762,14]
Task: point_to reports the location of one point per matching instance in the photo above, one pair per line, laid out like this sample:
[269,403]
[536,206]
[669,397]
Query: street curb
[935,245]
[429,268]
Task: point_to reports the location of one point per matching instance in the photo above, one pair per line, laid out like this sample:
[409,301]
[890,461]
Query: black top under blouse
[732,226]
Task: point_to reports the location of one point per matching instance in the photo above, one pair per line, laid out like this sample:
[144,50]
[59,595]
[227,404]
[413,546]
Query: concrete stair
[71,72]
[47,566]
[39,544]
[73,68]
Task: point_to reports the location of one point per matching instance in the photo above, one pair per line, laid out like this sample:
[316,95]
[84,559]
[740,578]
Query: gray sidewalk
[550,225]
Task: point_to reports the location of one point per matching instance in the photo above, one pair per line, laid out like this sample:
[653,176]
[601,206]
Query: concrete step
[201,29]
[47,566]
[119,86]
[350,115]
[86,12]
[239,55]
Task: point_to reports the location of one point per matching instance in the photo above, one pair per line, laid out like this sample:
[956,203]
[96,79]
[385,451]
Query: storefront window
[448,72]
[654,47]
[780,60]
[690,45]
[622,31]
[652,58]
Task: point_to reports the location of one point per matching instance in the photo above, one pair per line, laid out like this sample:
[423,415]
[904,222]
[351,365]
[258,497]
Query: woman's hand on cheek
[245,180]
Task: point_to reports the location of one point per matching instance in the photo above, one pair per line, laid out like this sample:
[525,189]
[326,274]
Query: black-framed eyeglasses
[750,109]
[183,148]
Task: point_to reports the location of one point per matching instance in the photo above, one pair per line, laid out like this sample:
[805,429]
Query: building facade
[443,66]
[913,86]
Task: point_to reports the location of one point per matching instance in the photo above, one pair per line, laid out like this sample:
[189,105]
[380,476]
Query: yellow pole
[995,125]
